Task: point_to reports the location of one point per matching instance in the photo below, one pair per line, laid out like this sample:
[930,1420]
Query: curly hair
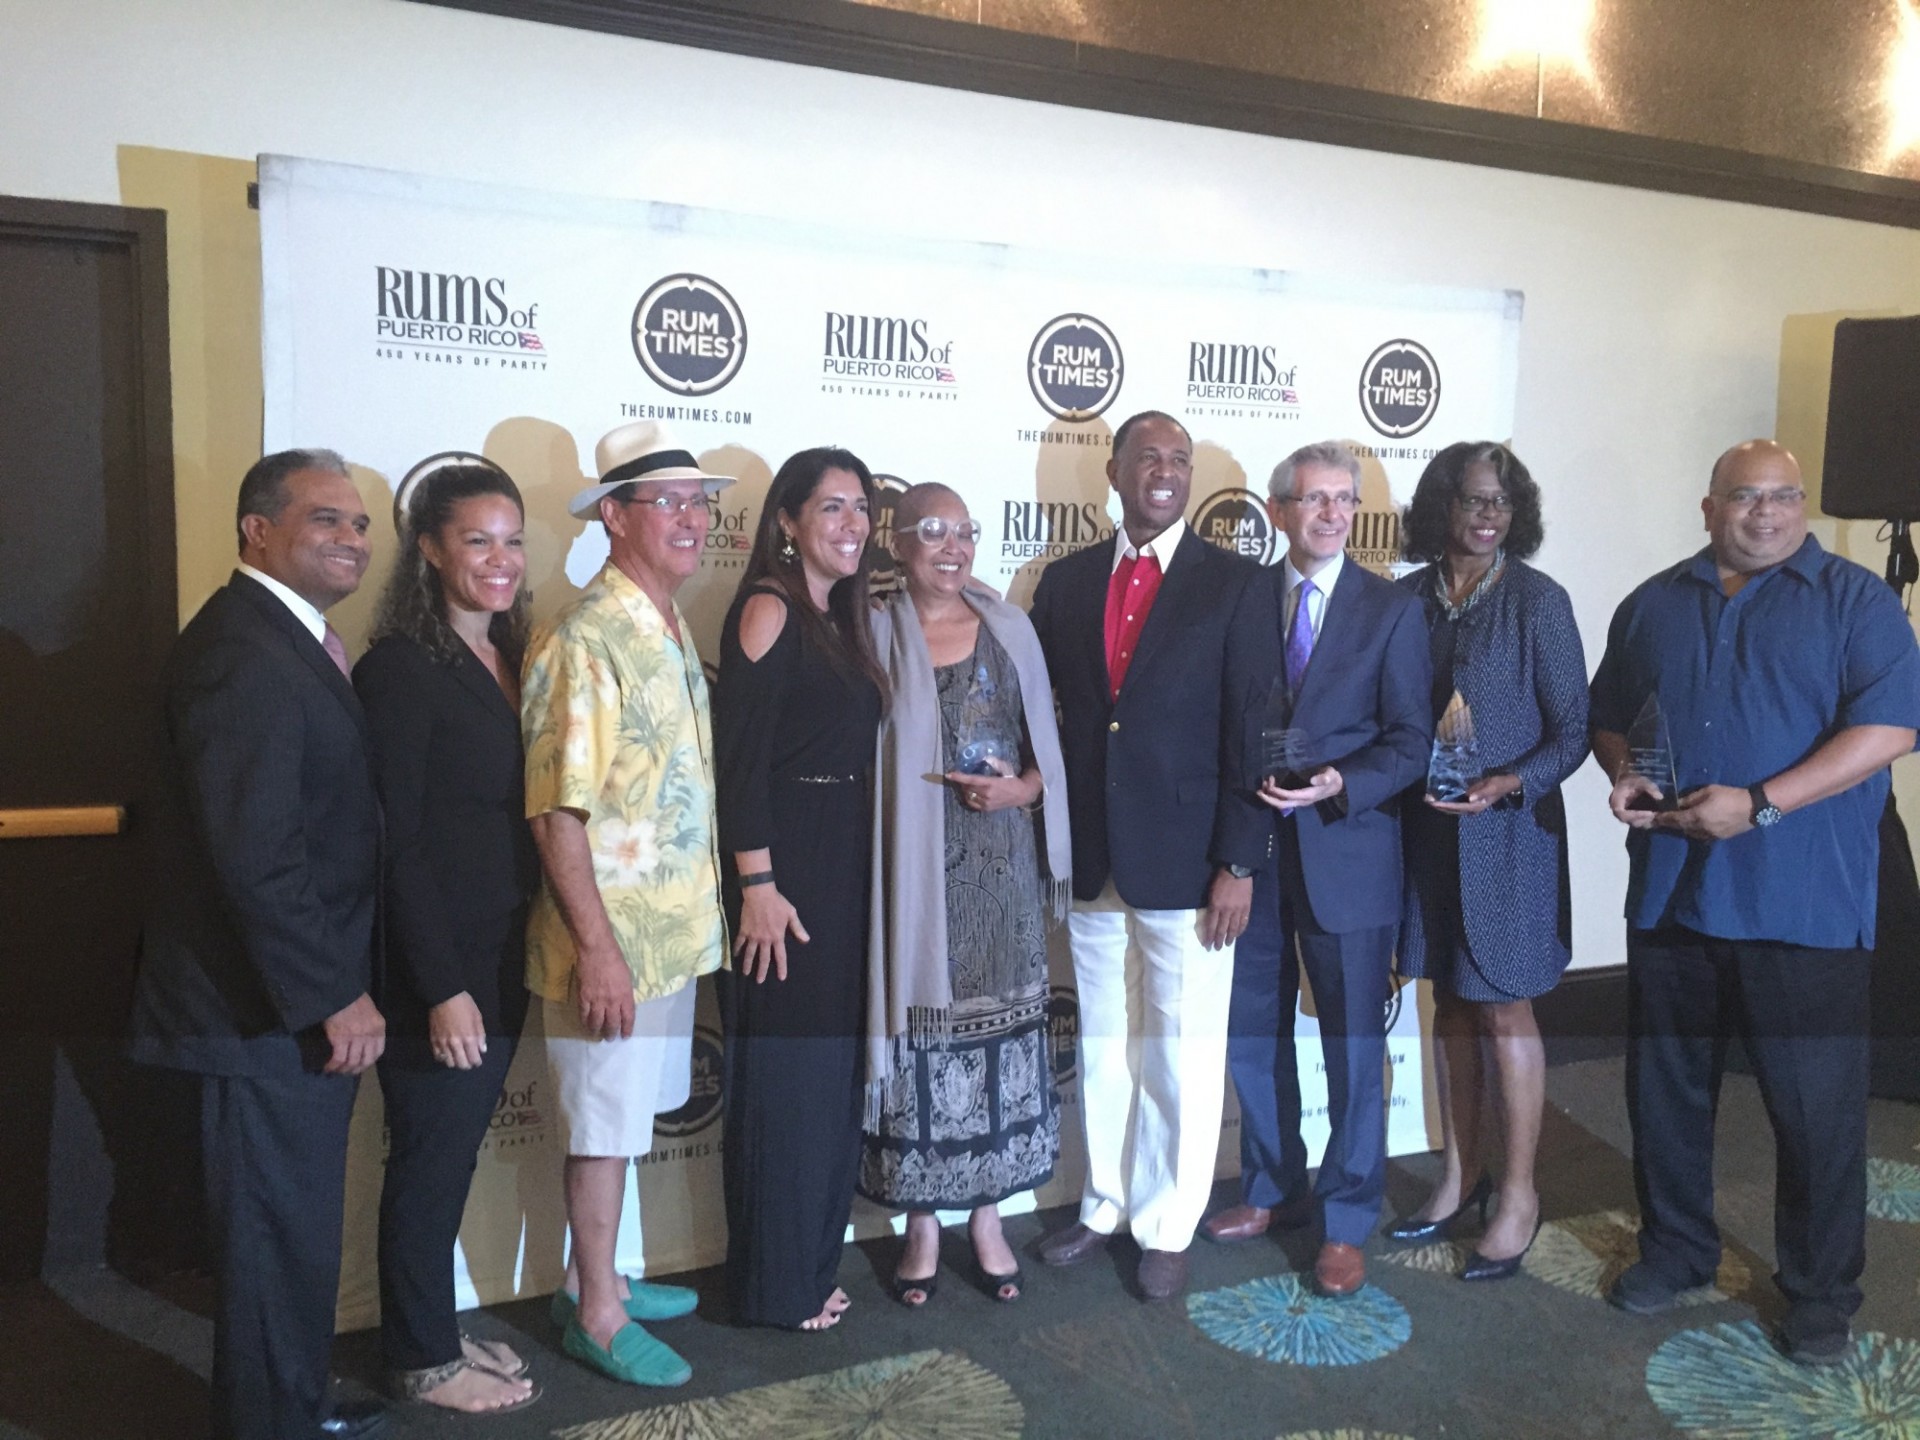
[414,604]
[1423,528]
[845,633]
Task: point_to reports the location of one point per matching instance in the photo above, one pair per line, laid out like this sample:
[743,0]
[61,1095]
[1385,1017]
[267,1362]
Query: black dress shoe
[355,1420]
[1410,1230]
[1479,1267]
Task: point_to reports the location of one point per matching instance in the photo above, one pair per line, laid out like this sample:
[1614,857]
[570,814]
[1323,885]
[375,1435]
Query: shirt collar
[1161,547]
[637,603]
[1323,582]
[1804,562]
[302,608]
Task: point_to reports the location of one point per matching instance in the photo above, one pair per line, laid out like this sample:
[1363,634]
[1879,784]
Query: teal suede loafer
[634,1357]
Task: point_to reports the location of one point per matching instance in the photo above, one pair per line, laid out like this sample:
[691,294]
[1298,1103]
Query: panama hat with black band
[640,451]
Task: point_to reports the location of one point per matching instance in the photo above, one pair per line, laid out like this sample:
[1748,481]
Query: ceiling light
[1548,30]
[1902,92]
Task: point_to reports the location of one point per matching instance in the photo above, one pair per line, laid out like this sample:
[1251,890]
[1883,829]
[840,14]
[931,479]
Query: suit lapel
[1337,626]
[1091,623]
[310,650]
[480,682]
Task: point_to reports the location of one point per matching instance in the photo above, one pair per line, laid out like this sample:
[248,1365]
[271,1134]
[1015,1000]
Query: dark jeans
[436,1119]
[274,1150]
[1802,1015]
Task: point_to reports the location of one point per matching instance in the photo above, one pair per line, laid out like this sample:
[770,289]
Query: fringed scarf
[909,998]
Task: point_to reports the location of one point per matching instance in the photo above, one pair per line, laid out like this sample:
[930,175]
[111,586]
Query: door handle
[52,820]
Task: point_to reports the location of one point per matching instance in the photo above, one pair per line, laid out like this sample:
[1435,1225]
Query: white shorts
[608,1091]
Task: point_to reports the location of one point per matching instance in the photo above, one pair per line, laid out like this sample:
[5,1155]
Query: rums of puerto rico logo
[703,1094]
[689,334]
[519,1118]
[1237,520]
[899,357]
[445,318]
[1399,388]
[1063,1032]
[1075,367]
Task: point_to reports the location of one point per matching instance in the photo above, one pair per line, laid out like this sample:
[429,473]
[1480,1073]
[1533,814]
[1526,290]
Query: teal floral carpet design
[929,1395]
[1729,1383]
[1893,1190]
[1342,1434]
[1279,1319]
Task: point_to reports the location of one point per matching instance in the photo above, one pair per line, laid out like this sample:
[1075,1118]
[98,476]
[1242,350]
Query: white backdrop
[404,318]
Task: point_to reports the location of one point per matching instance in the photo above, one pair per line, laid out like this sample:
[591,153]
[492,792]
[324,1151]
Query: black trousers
[1802,1015]
[274,1151]
[436,1119]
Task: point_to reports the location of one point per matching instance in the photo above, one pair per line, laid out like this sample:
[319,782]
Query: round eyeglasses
[932,530]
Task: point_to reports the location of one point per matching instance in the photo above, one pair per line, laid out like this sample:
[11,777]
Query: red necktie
[336,649]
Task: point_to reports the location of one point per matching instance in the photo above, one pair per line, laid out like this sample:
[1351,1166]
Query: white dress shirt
[1316,603]
[1161,547]
[301,607]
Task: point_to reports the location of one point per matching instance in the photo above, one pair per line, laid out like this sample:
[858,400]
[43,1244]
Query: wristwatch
[1765,812]
[1239,872]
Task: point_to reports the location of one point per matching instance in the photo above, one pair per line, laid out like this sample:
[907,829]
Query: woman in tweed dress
[1487,916]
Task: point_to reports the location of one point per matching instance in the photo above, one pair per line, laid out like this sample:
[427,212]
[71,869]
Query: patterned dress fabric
[978,1119]
[1488,912]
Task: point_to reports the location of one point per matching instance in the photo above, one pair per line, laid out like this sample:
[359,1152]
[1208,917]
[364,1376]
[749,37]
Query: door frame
[143,235]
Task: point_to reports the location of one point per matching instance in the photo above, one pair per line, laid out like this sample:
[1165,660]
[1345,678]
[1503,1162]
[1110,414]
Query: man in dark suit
[1357,672]
[1160,647]
[257,955]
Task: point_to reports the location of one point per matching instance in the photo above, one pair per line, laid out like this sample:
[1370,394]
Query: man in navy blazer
[257,954]
[1357,673]
[1160,647]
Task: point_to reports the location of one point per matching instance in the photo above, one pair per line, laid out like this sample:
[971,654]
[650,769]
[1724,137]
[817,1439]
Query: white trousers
[1153,1056]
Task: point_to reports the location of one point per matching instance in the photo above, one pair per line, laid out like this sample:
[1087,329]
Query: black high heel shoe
[1479,1267]
[902,1288]
[1409,1230]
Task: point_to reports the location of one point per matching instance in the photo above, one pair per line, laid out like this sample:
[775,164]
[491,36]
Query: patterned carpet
[1251,1354]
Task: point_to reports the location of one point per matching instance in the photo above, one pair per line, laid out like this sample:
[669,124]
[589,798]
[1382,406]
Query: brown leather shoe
[1163,1273]
[1238,1223]
[1340,1270]
[1072,1245]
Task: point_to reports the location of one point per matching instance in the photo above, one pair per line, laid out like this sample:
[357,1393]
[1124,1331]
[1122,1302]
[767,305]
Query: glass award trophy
[1650,754]
[984,747]
[1453,767]
[1285,753]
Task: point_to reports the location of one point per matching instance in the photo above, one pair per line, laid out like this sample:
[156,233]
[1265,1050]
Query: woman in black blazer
[441,691]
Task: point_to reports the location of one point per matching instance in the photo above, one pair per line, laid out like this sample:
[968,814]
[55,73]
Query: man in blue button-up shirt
[1790,682]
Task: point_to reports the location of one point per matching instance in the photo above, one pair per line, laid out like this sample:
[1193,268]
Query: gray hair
[263,489]
[1330,454]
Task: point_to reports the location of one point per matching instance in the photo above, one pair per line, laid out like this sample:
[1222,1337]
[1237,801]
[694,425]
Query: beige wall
[1658,329]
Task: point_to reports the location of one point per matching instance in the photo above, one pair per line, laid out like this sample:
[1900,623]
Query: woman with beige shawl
[970,862]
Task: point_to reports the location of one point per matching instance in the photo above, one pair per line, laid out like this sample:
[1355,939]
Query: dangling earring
[786,547]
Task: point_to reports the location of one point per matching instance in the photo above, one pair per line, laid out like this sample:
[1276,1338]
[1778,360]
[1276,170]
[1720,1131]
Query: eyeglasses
[932,530]
[674,505]
[1321,499]
[1786,497]
[1485,504]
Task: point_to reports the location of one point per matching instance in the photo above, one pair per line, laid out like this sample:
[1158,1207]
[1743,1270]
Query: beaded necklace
[1441,590]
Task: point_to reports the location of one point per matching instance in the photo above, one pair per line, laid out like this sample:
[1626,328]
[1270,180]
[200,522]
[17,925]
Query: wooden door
[96,1161]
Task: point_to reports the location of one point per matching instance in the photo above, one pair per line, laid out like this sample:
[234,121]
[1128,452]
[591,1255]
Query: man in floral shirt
[620,795]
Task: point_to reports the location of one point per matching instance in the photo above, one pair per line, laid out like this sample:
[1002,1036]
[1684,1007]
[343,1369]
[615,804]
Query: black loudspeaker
[1873,422]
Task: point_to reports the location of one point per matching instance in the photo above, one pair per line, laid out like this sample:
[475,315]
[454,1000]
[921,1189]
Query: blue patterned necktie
[1300,637]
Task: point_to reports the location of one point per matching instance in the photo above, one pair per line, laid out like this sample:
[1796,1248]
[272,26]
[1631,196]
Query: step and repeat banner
[407,320]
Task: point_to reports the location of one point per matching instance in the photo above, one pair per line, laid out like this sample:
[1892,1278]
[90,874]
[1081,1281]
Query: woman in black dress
[796,711]
[441,691]
[1487,915]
